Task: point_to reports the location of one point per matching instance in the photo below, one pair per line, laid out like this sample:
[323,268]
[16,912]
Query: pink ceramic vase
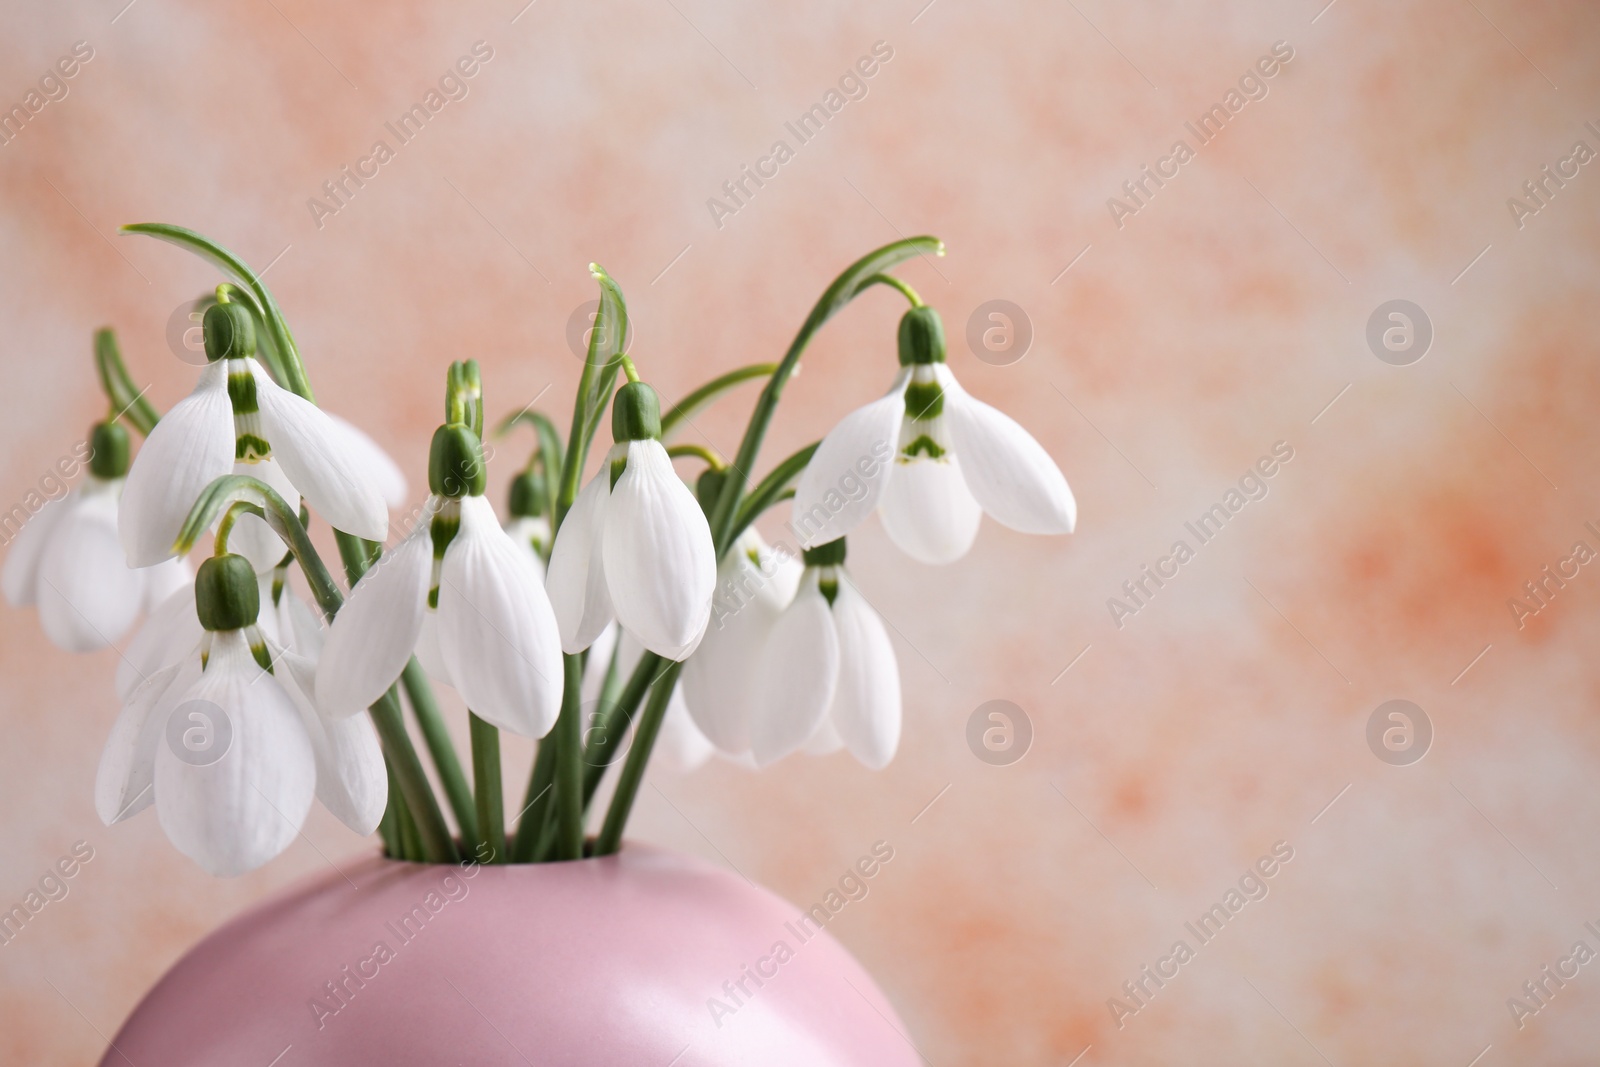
[646,957]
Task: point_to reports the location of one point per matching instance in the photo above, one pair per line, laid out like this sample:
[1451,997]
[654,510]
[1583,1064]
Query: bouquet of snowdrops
[241,701]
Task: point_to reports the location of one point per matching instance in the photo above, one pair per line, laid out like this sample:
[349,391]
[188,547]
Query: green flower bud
[528,495]
[455,463]
[226,594]
[828,555]
[921,337]
[108,451]
[636,414]
[229,331]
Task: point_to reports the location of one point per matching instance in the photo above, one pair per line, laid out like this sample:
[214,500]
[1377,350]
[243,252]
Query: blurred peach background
[1169,353]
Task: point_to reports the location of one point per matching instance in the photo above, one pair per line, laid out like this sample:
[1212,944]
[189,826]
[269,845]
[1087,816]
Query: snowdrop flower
[238,420]
[722,680]
[460,574]
[635,546]
[827,664]
[227,743]
[931,460]
[67,559]
[529,526]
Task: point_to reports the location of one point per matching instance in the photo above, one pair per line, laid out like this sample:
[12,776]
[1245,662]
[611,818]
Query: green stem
[771,489]
[569,766]
[277,327]
[441,750]
[895,283]
[689,405]
[437,844]
[486,779]
[861,274]
[536,803]
[628,368]
[628,782]
[710,455]
[615,719]
[548,452]
[594,388]
[126,401]
[389,825]
[410,839]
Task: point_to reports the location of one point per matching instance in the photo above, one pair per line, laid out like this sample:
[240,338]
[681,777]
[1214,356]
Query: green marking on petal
[923,444]
[924,400]
[242,388]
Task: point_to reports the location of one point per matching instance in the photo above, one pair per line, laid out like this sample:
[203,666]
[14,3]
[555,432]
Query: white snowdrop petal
[88,596]
[866,704]
[826,741]
[124,783]
[576,580]
[660,566]
[244,807]
[1010,474]
[251,537]
[927,510]
[166,634]
[799,672]
[497,632]
[380,469]
[164,579]
[374,634]
[317,456]
[20,578]
[845,478]
[352,781]
[428,653]
[191,447]
[722,680]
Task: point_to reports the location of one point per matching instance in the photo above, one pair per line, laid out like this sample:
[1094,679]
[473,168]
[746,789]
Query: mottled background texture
[1174,344]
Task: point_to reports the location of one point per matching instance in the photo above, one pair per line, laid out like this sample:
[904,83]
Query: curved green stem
[895,283]
[771,489]
[430,720]
[712,457]
[277,329]
[689,405]
[594,388]
[861,274]
[126,401]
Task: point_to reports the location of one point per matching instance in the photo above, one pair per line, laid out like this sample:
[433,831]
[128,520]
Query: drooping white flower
[229,752]
[828,666]
[239,420]
[635,546]
[496,637]
[722,681]
[931,460]
[67,560]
